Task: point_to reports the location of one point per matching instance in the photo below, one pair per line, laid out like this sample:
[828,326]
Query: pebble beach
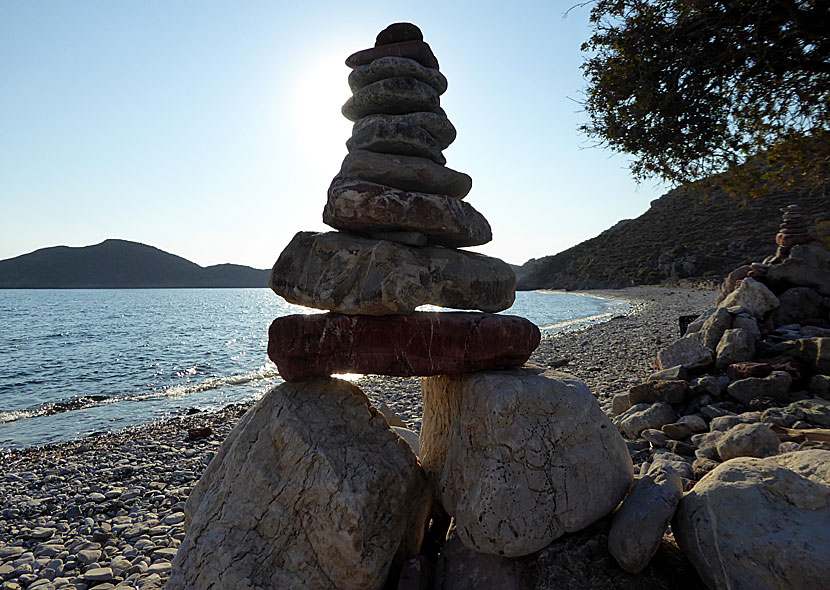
[107,511]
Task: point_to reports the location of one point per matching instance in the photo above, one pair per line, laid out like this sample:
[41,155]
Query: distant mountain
[686,233]
[119,264]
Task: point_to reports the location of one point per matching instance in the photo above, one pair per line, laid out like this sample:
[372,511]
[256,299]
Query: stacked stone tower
[401,220]
[312,489]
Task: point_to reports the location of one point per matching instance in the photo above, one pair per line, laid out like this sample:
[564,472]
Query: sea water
[79,361]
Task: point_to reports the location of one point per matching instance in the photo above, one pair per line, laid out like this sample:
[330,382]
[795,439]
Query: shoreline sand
[106,511]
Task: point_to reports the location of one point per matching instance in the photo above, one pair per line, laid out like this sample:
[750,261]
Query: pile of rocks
[738,413]
[313,489]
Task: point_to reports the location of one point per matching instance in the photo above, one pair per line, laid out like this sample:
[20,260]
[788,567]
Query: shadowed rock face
[412,49]
[396,67]
[391,96]
[422,343]
[520,458]
[347,274]
[292,500]
[356,205]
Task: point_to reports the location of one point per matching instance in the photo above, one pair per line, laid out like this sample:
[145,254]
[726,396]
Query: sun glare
[320,129]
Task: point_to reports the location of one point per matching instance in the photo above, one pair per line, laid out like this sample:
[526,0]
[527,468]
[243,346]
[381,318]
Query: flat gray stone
[408,173]
[747,440]
[775,385]
[641,416]
[360,206]
[392,96]
[639,524]
[353,275]
[396,67]
[386,136]
[436,124]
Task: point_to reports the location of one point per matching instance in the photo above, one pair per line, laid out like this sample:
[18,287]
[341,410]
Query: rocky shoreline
[107,511]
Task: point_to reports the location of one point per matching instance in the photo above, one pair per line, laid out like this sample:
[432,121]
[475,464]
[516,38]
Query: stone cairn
[737,416]
[313,489]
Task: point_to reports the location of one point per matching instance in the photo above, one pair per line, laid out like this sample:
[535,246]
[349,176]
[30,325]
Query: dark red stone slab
[417,50]
[417,344]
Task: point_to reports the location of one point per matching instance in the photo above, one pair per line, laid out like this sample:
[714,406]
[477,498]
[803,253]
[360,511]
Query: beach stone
[820,385]
[641,416]
[686,352]
[807,265]
[396,67]
[754,297]
[394,137]
[681,448]
[436,124]
[361,206]
[714,327]
[657,438]
[800,305]
[678,372]
[708,384]
[620,403]
[775,385]
[760,523]
[408,173]
[391,96]
[815,352]
[413,49]
[98,575]
[746,369]
[638,525]
[353,275]
[418,344]
[734,347]
[814,411]
[748,323]
[747,440]
[410,437]
[520,457]
[677,430]
[397,32]
[671,392]
[292,500]
[695,422]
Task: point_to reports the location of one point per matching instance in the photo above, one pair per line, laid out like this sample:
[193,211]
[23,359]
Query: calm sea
[76,362]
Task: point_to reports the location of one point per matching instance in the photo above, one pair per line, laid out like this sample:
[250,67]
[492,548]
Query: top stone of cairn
[398,32]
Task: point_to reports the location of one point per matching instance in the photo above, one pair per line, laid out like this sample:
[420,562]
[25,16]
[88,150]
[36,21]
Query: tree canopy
[692,88]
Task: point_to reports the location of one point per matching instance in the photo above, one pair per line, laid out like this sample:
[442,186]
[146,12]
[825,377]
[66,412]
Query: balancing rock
[353,275]
[421,343]
[310,490]
[360,206]
[520,457]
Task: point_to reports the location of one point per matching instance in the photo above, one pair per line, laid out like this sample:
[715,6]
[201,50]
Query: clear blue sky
[212,129]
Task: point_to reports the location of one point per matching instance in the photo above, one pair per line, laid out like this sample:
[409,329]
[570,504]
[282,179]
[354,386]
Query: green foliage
[693,88]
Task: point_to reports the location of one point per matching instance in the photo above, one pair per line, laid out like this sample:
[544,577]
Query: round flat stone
[396,67]
[360,206]
[391,96]
[348,274]
[408,173]
[436,124]
[395,137]
[304,346]
[417,50]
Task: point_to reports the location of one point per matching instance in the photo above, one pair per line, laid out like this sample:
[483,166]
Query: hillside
[685,233]
[119,264]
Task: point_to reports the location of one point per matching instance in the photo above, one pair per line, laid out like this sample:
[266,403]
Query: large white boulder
[760,523]
[520,457]
[310,490]
[753,296]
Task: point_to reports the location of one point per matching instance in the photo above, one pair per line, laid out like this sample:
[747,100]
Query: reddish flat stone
[417,344]
[417,50]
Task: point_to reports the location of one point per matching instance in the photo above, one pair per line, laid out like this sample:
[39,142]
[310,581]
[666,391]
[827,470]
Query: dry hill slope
[685,233]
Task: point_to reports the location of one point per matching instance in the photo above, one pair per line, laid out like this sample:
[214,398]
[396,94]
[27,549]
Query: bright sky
[212,129]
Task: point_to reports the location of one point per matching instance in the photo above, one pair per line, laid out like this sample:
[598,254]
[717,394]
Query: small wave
[263,373]
[577,322]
